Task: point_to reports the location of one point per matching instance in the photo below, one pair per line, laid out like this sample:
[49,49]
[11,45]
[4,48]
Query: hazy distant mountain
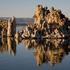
[21,21]
[24,21]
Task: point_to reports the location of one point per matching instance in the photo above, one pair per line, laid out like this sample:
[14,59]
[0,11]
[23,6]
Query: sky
[25,8]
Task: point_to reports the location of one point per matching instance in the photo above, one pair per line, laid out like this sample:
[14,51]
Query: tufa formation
[7,27]
[48,23]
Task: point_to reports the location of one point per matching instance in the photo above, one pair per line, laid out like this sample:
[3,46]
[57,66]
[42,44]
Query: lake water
[49,54]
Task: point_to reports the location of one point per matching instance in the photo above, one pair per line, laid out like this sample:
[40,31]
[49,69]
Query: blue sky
[25,8]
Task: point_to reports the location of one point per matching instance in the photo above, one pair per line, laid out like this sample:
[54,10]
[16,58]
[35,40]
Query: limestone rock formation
[7,27]
[11,30]
[48,23]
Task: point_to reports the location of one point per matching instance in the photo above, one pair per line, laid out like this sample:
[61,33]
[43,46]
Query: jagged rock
[48,23]
[8,26]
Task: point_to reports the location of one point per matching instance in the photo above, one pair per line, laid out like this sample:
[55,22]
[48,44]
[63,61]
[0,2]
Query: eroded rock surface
[48,23]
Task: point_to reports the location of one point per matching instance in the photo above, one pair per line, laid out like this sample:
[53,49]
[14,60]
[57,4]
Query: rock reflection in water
[8,45]
[48,51]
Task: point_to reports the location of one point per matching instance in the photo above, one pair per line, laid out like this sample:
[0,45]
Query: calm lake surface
[34,55]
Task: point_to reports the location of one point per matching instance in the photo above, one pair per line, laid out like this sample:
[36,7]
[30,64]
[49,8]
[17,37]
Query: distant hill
[21,21]
[24,21]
